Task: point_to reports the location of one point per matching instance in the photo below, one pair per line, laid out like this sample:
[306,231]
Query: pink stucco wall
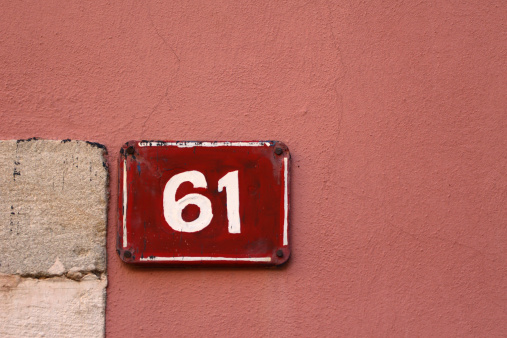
[395,114]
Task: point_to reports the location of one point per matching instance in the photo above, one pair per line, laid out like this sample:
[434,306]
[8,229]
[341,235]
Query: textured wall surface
[53,212]
[395,114]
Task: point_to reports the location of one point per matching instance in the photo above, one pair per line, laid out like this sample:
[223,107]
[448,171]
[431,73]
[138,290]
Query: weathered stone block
[53,213]
[53,207]
[53,307]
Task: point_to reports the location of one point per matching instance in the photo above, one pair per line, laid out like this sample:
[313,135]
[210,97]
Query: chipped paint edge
[125,203]
[190,144]
[204,259]
[286,202]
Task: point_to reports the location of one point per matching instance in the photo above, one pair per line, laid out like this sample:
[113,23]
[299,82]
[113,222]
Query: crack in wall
[9,282]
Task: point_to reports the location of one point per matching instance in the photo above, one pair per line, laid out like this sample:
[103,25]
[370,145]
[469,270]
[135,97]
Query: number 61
[173,208]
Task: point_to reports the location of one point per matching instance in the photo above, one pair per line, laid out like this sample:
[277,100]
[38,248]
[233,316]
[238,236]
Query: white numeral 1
[230,182]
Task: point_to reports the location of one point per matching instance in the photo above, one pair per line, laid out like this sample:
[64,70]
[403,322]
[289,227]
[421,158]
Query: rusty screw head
[278,151]
[127,254]
[279,253]
[130,150]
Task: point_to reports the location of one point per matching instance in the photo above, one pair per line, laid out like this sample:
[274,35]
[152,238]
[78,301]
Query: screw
[127,254]
[279,253]
[278,151]
[130,150]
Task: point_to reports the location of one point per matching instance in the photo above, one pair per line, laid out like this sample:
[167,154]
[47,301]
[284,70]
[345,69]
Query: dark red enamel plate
[204,203]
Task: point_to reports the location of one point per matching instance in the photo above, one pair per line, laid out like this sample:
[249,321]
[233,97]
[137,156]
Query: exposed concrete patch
[52,307]
[53,209]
